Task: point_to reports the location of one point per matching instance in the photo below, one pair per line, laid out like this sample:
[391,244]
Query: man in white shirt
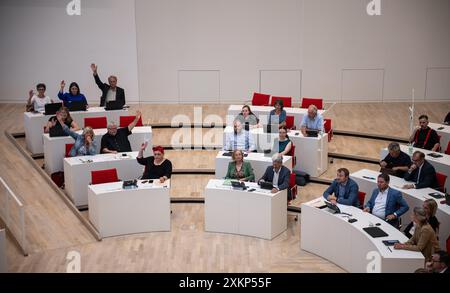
[239,139]
[386,203]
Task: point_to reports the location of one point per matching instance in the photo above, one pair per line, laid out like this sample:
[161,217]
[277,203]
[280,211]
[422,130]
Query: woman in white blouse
[37,102]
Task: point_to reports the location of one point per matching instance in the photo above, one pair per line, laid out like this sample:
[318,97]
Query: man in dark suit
[439,264]
[342,190]
[110,90]
[421,173]
[386,203]
[278,175]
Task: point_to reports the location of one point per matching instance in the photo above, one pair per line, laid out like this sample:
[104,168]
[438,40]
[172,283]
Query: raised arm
[135,121]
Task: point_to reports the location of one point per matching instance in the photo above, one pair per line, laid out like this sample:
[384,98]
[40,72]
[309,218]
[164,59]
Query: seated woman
[156,167]
[424,238]
[84,143]
[37,102]
[284,143]
[278,115]
[430,208]
[73,95]
[238,169]
[66,118]
[247,118]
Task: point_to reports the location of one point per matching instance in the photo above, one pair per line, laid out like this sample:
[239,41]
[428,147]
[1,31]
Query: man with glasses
[116,139]
[439,264]
[421,173]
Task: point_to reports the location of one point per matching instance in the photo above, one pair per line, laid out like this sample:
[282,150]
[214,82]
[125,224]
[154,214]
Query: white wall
[220,51]
[41,43]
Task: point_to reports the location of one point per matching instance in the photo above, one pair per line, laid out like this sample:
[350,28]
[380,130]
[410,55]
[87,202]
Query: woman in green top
[284,143]
[246,117]
[238,169]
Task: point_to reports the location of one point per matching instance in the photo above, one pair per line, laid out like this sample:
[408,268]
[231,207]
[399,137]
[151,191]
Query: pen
[389,249]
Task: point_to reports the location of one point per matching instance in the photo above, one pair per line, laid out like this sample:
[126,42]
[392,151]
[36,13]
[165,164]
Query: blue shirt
[315,123]
[67,98]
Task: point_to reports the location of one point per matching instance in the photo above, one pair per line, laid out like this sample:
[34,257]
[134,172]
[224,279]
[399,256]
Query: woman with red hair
[156,167]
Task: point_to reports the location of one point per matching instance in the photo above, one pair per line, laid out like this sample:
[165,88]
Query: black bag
[301,178]
[58,179]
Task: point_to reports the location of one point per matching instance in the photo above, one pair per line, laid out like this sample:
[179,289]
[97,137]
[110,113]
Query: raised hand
[138,114]
[144,146]
[63,84]
[31,94]
[94,68]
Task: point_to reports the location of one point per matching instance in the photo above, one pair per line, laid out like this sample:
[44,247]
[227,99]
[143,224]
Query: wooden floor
[53,230]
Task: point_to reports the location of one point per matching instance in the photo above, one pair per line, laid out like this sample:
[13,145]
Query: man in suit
[421,173]
[439,264]
[110,91]
[386,203]
[278,175]
[342,190]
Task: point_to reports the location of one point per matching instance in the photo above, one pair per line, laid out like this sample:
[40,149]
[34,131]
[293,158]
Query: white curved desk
[347,245]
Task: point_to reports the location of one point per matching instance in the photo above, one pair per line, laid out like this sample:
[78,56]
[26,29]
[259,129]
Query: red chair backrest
[447,151]
[289,122]
[441,178]
[104,176]
[292,186]
[318,102]
[327,125]
[68,148]
[126,120]
[292,154]
[287,101]
[361,197]
[448,244]
[95,122]
[260,99]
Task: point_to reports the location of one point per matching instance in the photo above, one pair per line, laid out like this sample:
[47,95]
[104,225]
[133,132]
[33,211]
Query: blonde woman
[430,208]
[238,169]
[84,143]
[424,238]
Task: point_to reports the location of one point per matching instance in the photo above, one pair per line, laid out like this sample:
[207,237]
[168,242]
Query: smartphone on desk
[390,242]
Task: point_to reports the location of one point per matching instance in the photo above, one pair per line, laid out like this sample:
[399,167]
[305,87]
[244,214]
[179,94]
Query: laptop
[77,106]
[114,105]
[238,185]
[230,153]
[270,128]
[56,131]
[266,185]
[312,133]
[375,232]
[51,109]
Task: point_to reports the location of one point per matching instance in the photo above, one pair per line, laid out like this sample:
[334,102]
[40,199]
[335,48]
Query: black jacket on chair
[427,176]
[104,87]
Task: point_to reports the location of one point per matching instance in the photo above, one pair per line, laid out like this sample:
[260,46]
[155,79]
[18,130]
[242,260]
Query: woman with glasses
[37,102]
[156,166]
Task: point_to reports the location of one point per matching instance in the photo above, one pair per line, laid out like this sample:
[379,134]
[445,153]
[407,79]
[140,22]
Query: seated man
[439,264]
[396,162]
[386,203]
[312,121]
[424,137]
[239,139]
[447,119]
[278,175]
[110,91]
[421,173]
[342,190]
[116,140]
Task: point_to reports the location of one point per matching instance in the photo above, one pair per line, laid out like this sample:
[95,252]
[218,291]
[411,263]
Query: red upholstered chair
[318,102]
[293,189]
[287,101]
[260,99]
[328,129]
[448,244]
[441,178]
[447,151]
[95,122]
[126,120]
[361,197]
[104,176]
[290,122]
[292,154]
[68,148]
